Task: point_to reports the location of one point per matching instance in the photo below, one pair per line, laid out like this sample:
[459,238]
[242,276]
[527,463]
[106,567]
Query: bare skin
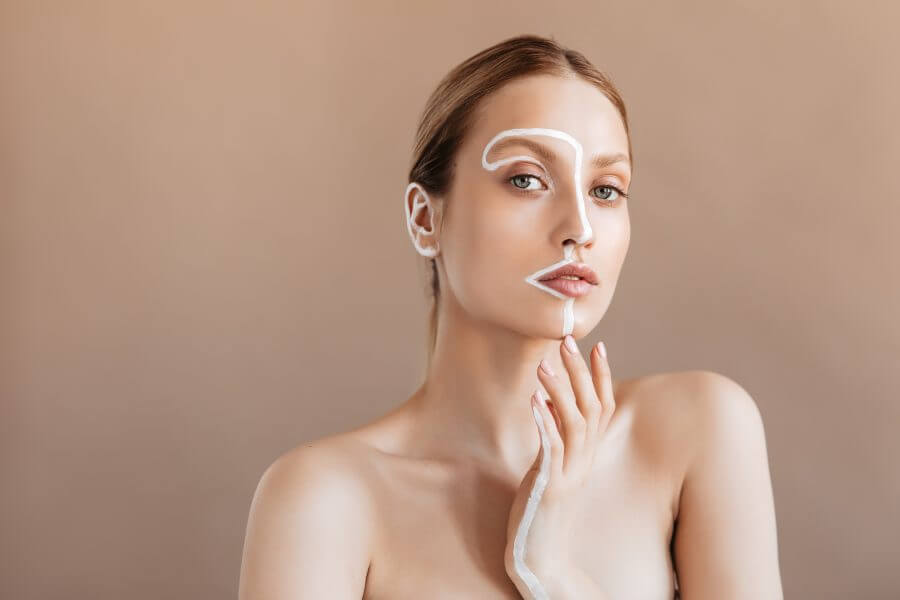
[416,503]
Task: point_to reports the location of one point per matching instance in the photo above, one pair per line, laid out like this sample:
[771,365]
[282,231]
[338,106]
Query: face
[537,185]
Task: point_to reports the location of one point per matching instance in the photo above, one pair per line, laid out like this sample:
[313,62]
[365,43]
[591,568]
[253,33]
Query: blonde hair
[448,115]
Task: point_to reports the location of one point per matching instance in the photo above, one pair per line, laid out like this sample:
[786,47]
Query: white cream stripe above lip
[533,278]
[569,250]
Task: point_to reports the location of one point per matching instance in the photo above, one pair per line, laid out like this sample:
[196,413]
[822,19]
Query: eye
[610,189]
[520,182]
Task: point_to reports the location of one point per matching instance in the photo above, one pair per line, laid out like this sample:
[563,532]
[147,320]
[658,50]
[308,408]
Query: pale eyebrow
[599,161]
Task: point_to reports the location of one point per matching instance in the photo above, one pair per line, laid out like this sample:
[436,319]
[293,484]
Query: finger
[555,414]
[573,426]
[550,430]
[582,384]
[602,378]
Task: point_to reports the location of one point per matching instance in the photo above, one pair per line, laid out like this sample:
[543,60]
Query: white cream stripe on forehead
[586,233]
[562,135]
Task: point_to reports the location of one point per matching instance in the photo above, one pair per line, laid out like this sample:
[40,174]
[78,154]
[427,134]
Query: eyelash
[604,201]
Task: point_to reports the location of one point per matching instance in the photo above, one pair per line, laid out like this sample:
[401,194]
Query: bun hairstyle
[449,110]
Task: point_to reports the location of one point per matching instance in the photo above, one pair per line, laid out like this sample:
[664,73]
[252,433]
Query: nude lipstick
[573,279]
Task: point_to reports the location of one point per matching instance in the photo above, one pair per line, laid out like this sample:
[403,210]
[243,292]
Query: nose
[574,227]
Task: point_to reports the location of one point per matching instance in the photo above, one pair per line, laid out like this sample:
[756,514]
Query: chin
[546,319]
[582,328]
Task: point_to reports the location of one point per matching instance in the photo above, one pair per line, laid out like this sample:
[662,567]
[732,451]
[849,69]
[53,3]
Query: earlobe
[419,208]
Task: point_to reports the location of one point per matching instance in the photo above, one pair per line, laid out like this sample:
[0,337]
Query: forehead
[546,102]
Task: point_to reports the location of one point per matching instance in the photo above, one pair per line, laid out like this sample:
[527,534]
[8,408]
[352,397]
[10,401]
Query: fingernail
[601,348]
[570,344]
[546,367]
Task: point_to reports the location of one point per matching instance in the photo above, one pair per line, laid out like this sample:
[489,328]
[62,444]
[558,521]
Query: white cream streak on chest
[525,575]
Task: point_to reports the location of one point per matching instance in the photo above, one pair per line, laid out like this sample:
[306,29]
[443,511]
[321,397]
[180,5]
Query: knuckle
[552,494]
[555,442]
[578,365]
[604,366]
[601,365]
[576,433]
[593,411]
[549,381]
[556,449]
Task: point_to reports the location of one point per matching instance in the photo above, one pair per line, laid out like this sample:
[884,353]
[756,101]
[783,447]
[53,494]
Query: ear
[422,219]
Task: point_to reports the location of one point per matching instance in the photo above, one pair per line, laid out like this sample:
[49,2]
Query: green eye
[523,179]
[610,190]
[521,182]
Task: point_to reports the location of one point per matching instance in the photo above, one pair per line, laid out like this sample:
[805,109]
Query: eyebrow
[599,161]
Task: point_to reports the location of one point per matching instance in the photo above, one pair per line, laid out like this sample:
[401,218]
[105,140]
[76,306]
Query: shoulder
[690,417]
[321,477]
[311,522]
[319,469]
[701,402]
[728,434]
[725,544]
[722,411]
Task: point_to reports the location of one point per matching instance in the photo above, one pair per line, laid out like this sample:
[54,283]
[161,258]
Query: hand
[570,425]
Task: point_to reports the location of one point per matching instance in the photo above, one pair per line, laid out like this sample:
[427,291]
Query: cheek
[486,256]
[613,237]
[624,240]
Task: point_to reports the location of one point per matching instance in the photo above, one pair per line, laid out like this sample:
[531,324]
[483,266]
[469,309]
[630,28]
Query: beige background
[204,261]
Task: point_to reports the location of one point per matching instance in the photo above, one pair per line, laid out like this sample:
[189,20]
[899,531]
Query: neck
[475,404]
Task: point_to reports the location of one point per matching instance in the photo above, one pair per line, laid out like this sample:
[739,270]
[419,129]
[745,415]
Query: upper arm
[725,542]
[308,533]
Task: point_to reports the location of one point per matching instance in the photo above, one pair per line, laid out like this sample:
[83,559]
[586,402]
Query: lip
[587,275]
[574,288]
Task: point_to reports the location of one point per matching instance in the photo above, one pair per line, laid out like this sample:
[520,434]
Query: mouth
[569,280]
[572,272]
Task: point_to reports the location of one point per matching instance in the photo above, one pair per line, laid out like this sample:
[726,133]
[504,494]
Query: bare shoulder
[681,415]
[328,466]
[725,541]
[693,401]
[714,405]
[724,419]
[309,532]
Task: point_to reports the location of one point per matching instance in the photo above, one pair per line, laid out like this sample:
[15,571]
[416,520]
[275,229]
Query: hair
[449,111]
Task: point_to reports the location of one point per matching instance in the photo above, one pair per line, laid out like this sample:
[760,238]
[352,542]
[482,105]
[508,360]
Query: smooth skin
[419,502]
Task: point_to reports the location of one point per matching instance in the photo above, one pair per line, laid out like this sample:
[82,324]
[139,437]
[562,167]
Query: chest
[445,538]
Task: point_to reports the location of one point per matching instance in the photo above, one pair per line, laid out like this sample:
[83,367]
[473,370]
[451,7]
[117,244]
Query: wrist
[559,583]
[554,574]
[559,580]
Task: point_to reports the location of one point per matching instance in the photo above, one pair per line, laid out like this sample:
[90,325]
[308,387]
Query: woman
[594,488]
